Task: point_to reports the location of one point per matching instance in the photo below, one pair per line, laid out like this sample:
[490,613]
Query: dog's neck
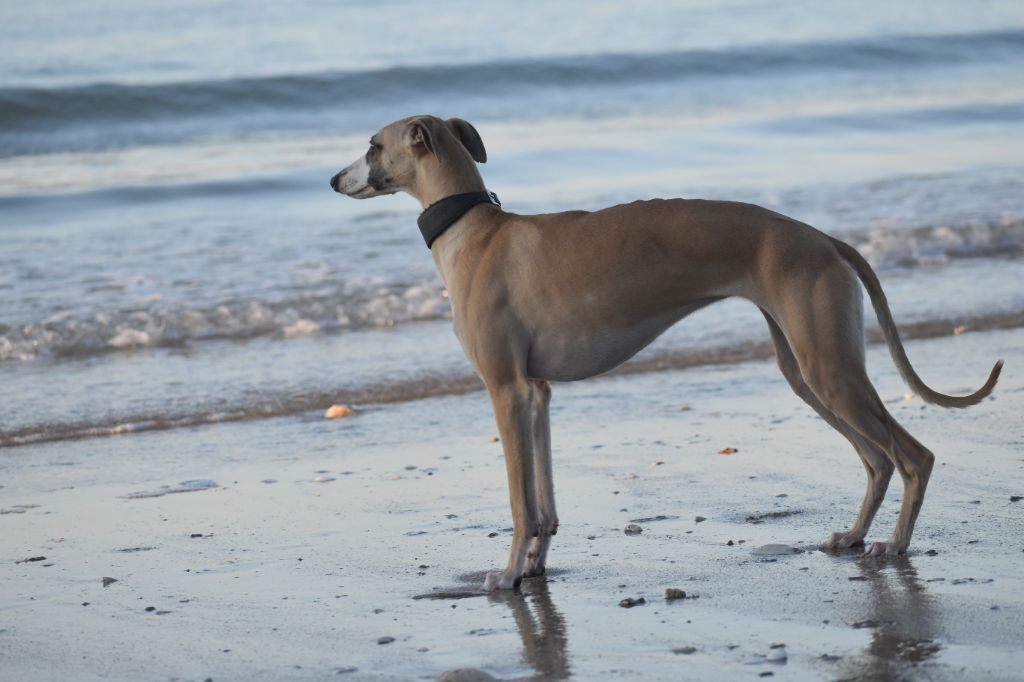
[458,175]
[434,181]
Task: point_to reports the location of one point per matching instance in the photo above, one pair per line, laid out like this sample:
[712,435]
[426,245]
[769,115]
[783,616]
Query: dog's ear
[469,137]
[423,132]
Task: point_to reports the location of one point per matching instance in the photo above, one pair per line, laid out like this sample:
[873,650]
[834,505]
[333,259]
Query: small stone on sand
[109,581]
[633,529]
[629,602]
[466,675]
[673,593]
[385,640]
[775,550]
[728,451]
[336,411]
[687,650]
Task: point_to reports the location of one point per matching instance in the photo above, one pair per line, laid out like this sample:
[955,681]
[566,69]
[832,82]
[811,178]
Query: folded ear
[469,137]
[423,133]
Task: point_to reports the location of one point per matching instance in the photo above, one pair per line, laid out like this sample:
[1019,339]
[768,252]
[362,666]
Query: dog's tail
[892,338]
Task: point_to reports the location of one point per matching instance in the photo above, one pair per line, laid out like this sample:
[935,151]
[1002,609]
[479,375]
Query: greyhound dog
[566,296]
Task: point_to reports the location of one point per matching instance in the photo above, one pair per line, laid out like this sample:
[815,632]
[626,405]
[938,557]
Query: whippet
[566,296]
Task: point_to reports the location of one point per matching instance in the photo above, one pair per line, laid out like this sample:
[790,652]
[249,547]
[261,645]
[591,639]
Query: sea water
[171,253]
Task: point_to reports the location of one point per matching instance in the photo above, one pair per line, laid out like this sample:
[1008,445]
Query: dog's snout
[334,181]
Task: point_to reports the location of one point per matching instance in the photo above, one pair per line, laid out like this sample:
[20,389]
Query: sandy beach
[304,548]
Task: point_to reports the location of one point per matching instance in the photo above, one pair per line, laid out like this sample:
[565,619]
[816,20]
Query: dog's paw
[884,549]
[535,558]
[842,541]
[533,570]
[501,581]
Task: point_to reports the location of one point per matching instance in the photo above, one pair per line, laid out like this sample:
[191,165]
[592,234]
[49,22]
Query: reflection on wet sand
[541,627]
[901,615]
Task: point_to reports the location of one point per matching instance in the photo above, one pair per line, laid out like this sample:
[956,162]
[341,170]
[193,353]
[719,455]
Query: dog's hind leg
[823,322]
[536,561]
[878,467]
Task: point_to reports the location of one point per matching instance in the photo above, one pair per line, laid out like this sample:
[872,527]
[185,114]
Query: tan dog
[566,296]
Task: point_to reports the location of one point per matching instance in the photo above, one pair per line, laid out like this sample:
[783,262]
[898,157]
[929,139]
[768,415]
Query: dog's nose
[334,182]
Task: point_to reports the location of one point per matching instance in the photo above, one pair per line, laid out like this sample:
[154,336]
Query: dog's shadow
[541,626]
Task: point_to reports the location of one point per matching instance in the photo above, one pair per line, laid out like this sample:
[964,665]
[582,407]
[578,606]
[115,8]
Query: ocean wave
[418,387]
[888,245]
[66,335]
[29,117]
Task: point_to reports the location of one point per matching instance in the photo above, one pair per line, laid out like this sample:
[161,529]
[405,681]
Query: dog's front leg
[536,562]
[512,402]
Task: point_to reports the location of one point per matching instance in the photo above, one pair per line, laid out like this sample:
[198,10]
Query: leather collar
[440,215]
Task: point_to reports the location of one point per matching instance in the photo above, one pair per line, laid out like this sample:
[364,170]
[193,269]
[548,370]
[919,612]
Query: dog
[566,296]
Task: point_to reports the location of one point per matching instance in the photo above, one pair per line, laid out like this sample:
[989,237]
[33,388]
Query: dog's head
[405,152]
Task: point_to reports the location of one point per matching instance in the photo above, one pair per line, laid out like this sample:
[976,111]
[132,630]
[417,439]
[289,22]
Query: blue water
[171,254]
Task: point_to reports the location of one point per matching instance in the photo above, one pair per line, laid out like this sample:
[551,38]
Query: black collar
[440,215]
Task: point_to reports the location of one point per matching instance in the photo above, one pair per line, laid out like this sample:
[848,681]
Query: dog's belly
[566,352]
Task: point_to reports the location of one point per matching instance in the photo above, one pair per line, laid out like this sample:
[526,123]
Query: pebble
[869,623]
[777,654]
[385,640]
[1016,498]
[686,650]
[775,550]
[633,529]
[466,675]
[629,602]
[336,411]
[698,519]
[673,593]
[109,581]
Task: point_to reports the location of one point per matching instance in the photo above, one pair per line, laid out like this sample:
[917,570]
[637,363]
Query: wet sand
[354,548]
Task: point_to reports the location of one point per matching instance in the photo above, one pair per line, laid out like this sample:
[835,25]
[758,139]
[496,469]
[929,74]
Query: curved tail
[892,337]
